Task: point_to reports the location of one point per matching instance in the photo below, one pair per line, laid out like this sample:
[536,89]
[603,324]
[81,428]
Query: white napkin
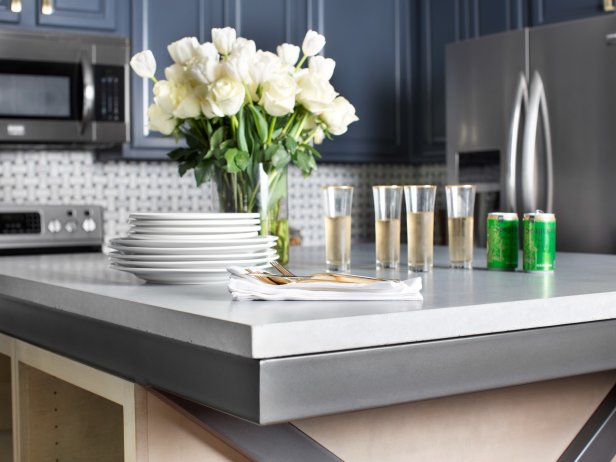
[245,287]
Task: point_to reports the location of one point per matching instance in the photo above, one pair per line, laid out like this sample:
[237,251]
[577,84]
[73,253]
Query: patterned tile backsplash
[122,187]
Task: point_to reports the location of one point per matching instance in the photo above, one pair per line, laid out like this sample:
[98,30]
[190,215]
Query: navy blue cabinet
[371,44]
[6,15]
[551,11]
[98,16]
[440,23]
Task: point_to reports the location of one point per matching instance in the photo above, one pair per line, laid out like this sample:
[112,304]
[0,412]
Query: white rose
[144,64]
[316,94]
[288,54]
[176,74]
[313,43]
[183,50]
[278,96]
[265,66]
[165,95]
[323,67]
[339,115]
[224,39]
[160,121]
[226,97]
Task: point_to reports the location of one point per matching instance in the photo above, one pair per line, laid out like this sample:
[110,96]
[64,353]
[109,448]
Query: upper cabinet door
[268,22]
[156,24]
[370,42]
[551,11]
[6,15]
[81,14]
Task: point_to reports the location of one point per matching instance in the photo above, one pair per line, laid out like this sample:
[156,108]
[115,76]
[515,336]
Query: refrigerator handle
[520,104]
[537,105]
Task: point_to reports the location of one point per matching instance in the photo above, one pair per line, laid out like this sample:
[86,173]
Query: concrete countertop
[269,362]
[457,303]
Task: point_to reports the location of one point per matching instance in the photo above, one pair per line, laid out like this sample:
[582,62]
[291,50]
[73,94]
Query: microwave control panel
[109,91]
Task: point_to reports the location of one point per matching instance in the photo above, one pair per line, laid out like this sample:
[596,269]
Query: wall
[123,187]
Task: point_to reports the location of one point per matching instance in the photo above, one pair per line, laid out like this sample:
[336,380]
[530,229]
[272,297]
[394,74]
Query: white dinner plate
[179,276]
[192,237]
[190,250]
[267,254]
[203,242]
[215,264]
[196,223]
[193,230]
[191,216]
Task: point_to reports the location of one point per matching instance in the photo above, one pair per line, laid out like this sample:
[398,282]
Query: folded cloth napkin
[245,287]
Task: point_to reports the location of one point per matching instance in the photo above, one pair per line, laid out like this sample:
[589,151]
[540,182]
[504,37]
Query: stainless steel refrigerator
[531,119]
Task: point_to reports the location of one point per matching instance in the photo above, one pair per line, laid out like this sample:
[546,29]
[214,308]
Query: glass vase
[258,191]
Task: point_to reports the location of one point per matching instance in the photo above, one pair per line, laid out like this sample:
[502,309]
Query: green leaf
[280,159]
[177,154]
[241,131]
[290,144]
[201,172]
[242,159]
[314,152]
[260,123]
[217,137]
[270,151]
[230,156]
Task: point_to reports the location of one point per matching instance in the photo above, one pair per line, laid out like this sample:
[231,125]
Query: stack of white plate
[190,248]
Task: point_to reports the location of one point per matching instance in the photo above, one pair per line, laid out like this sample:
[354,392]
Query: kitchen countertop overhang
[277,361]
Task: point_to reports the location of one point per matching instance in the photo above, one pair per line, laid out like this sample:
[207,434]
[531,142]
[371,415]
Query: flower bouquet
[245,115]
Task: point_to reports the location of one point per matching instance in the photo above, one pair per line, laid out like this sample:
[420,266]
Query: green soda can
[503,241]
[539,236]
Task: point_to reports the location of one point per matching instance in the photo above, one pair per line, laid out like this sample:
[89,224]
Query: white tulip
[226,97]
[237,67]
[188,107]
[224,39]
[313,43]
[265,66]
[288,54]
[316,94]
[339,115]
[207,50]
[278,96]
[323,67]
[176,74]
[160,121]
[245,46]
[144,64]
[183,50]
[205,70]
[165,95]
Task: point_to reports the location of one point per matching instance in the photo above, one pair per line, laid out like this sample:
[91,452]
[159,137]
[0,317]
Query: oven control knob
[88,225]
[70,226]
[54,226]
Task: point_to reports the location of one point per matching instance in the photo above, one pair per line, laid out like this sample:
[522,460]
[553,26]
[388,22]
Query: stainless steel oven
[63,89]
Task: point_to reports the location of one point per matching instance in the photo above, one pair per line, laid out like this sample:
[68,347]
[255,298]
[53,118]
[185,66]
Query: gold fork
[335,277]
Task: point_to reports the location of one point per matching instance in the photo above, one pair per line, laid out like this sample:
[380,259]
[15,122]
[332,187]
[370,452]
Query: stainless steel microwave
[63,89]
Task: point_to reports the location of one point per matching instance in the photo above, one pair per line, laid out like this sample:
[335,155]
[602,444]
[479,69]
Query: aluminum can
[539,236]
[503,239]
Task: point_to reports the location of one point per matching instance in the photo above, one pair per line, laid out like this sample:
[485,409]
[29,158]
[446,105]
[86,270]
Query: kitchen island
[272,362]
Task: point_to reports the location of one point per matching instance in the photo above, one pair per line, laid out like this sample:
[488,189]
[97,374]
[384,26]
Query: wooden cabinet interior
[59,421]
[6,424]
